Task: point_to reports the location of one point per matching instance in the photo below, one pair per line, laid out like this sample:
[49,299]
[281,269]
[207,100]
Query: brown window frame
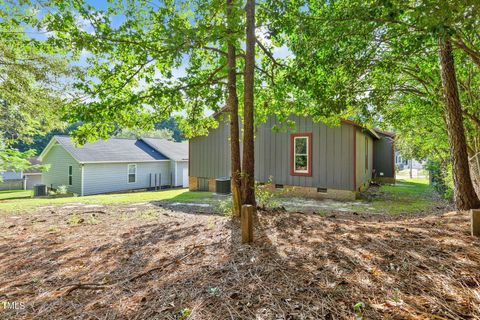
[307,135]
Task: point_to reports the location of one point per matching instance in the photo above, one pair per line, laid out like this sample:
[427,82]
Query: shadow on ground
[301,266]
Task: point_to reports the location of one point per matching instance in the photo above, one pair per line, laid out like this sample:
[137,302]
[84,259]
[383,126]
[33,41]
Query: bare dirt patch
[147,262]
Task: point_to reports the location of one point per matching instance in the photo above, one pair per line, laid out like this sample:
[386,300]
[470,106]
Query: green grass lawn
[406,196]
[15,194]
[10,202]
[406,174]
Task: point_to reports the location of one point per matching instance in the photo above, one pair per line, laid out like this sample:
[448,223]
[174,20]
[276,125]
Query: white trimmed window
[132,173]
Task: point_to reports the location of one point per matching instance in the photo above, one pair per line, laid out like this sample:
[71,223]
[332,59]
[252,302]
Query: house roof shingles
[176,151]
[112,150]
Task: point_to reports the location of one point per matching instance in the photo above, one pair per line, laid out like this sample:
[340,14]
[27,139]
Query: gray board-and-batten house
[314,159]
[114,165]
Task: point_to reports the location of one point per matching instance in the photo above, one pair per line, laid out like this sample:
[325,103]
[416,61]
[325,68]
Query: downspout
[373,170]
[175,175]
[81,179]
[393,161]
[354,158]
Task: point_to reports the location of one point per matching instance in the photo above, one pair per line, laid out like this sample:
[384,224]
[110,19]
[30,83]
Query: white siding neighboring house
[178,155]
[113,165]
[11,175]
[31,179]
[13,180]
[403,163]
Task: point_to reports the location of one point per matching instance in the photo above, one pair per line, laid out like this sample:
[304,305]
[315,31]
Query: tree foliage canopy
[377,61]
[149,61]
[33,84]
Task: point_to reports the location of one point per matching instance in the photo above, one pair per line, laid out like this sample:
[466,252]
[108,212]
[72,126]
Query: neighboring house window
[70,175]
[366,153]
[132,173]
[301,154]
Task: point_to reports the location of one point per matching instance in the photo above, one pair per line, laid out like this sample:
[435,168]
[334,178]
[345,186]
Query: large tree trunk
[233,109]
[464,194]
[248,161]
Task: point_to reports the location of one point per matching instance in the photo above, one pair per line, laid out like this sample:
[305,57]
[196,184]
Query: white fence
[17,184]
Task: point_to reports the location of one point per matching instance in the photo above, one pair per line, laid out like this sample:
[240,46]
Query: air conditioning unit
[39,190]
[223,186]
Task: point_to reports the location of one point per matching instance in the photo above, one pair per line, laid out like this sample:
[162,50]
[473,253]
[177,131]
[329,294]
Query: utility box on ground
[39,190]
[223,185]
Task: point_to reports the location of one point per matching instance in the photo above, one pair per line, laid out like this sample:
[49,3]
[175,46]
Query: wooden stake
[475,222]
[247,223]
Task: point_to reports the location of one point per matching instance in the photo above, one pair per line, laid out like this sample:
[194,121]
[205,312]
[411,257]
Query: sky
[281,52]
[179,72]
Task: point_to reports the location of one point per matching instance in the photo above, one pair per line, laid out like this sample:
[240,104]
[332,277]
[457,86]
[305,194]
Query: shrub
[441,178]
[62,190]
[448,180]
[225,207]
[266,196]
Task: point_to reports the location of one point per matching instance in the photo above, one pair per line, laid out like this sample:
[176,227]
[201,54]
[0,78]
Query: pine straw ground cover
[148,262]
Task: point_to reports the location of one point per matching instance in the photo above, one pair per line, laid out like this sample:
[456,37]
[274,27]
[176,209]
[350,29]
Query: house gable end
[54,141]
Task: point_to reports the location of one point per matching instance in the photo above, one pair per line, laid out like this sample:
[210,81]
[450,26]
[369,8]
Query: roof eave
[386,133]
[357,125]
[122,161]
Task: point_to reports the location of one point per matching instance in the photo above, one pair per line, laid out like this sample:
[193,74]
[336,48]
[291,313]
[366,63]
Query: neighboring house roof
[177,151]
[15,175]
[112,150]
[35,170]
[11,175]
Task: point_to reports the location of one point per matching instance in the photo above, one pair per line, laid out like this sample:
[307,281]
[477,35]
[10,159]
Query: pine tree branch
[472,53]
